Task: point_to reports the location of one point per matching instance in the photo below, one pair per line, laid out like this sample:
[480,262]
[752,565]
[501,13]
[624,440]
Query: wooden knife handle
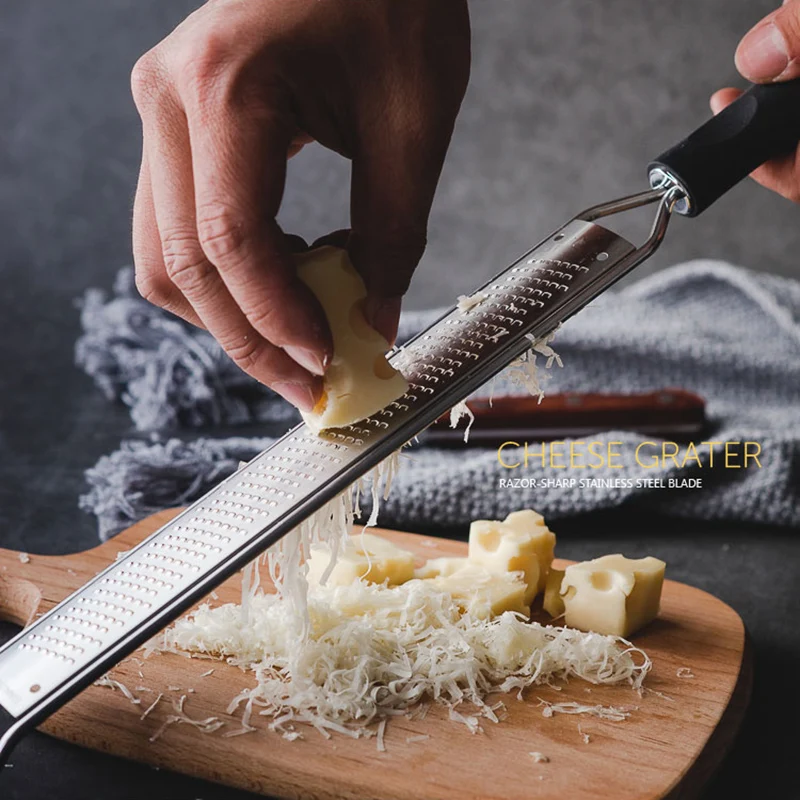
[666,412]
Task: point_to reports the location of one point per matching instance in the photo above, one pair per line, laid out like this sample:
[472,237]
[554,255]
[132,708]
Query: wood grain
[667,748]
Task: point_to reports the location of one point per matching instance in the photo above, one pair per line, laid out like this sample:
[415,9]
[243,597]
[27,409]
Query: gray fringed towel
[728,334]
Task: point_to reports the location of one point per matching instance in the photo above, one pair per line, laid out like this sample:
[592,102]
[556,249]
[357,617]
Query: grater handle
[760,125]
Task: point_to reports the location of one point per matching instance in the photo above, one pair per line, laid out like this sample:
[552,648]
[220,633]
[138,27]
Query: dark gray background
[568,101]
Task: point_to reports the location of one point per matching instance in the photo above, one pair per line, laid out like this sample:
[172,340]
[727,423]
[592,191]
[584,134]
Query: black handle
[761,124]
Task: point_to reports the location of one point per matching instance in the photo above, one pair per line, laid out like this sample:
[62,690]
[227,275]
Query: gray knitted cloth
[728,334]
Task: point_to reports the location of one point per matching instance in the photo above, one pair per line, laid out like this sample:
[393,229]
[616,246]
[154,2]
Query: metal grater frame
[149,586]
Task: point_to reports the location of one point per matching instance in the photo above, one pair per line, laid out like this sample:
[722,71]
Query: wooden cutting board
[667,748]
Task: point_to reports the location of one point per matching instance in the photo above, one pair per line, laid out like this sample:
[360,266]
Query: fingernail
[307,359]
[298,394]
[762,53]
[384,315]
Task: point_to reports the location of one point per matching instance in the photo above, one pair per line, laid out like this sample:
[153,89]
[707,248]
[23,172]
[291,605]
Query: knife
[664,413]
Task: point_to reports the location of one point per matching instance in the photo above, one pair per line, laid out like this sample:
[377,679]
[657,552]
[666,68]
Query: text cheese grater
[149,586]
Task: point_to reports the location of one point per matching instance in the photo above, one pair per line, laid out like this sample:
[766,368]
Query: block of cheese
[365,556]
[553,603]
[521,542]
[479,592]
[613,594]
[436,567]
[359,380]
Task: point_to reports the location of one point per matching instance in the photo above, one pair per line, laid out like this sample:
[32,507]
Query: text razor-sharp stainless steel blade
[78,640]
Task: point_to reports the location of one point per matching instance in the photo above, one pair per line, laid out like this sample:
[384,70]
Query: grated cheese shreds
[381,731]
[372,652]
[331,524]
[150,708]
[611,713]
[458,411]
[467,303]
[112,684]
[524,372]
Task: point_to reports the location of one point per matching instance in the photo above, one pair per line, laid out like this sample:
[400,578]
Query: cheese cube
[483,594]
[359,380]
[522,542]
[613,594]
[436,567]
[364,556]
[553,603]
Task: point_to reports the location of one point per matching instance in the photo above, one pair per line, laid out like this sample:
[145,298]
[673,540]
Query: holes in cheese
[359,380]
[612,595]
[363,556]
[520,543]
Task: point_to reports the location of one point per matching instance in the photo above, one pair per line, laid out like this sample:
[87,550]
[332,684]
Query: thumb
[771,50]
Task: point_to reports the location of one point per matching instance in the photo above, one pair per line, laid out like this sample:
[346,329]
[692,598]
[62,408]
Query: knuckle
[221,232]
[199,67]
[147,80]
[185,263]
[246,352]
[263,318]
[151,288]
[788,20]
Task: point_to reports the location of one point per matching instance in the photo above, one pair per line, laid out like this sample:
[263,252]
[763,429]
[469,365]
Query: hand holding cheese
[613,594]
[226,99]
[359,380]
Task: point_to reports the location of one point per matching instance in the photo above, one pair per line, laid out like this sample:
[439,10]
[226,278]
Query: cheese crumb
[611,713]
[539,758]
[112,684]
[684,672]
[524,372]
[381,730]
[467,303]
[151,707]
[25,558]
[458,411]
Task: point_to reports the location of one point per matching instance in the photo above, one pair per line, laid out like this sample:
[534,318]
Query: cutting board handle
[20,597]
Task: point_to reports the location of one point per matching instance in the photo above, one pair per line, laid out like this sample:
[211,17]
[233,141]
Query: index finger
[239,167]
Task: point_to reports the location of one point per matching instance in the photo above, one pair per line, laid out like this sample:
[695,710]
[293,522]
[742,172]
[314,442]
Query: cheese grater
[76,642]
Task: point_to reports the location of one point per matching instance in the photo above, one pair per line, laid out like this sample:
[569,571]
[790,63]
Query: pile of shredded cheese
[372,652]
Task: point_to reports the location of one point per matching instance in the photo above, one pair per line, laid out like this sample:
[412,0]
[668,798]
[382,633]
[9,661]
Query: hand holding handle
[760,125]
